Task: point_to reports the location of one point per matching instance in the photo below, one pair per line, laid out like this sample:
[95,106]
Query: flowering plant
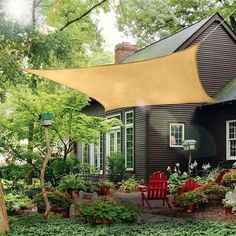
[106,209]
[58,200]
[228,203]
[230,176]
[194,197]
[214,188]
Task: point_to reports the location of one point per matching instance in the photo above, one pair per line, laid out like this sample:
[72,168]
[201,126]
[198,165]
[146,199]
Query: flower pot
[88,196]
[190,208]
[228,211]
[105,190]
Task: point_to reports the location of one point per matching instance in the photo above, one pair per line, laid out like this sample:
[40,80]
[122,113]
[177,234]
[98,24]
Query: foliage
[109,209]
[139,18]
[212,175]
[16,202]
[230,176]
[214,188]
[129,185]
[90,187]
[35,224]
[193,197]
[116,167]
[107,184]
[176,180]
[71,181]
[58,200]
[228,203]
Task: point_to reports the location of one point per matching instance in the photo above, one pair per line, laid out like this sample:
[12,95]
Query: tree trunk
[4,226]
[42,182]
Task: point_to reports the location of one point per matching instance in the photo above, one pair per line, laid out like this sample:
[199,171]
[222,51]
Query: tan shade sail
[171,79]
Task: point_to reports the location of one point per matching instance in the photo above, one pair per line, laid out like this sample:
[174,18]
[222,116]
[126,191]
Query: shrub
[194,197]
[129,185]
[116,167]
[58,200]
[106,209]
[16,202]
[176,180]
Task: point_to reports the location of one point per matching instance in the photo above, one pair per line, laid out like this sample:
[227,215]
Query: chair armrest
[142,188]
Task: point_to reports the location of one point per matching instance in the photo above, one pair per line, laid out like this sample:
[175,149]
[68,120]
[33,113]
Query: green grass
[35,225]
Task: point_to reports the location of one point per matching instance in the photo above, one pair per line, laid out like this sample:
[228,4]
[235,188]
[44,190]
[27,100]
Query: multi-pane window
[129,140]
[91,154]
[176,134]
[113,139]
[231,139]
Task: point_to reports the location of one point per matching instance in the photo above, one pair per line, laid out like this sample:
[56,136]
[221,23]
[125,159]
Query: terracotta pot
[228,211]
[88,196]
[190,208]
[105,190]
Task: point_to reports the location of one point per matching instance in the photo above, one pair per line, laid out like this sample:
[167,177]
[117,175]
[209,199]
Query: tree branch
[82,16]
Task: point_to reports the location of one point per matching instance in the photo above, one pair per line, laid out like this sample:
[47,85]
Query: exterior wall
[216,58]
[213,120]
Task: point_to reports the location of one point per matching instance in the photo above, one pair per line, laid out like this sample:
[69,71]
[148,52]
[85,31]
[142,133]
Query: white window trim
[129,126]
[228,157]
[114,116]
[183,134]
[92,156]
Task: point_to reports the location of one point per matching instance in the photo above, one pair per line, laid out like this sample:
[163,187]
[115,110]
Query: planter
[88,196]
[214,200]
[105,191]
[190,208]
[98,221]
[228,211]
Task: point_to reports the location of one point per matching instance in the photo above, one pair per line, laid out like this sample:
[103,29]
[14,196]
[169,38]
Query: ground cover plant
[35,225]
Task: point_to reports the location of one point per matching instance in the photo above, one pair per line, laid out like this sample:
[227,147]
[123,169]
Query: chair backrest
[157,186]
[189,185]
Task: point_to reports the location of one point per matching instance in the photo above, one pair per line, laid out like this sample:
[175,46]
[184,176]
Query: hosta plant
[129,185]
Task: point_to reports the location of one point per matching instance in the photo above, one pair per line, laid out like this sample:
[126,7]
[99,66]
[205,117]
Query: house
[151,138]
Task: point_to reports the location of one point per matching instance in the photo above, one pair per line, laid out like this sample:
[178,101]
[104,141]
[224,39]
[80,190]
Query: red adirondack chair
[188,186]
[155,190]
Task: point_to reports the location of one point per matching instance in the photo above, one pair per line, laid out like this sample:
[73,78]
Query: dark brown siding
[140,142]
[216,60]
[213,120]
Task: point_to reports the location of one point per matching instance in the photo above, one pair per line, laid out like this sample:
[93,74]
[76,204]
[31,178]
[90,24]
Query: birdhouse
[189,145]
[46,119]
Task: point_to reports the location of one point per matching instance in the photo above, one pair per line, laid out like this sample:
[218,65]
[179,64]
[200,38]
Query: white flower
[206,166]
[177,164]
[168,169]
[175,169]
[195,163]
[192,166]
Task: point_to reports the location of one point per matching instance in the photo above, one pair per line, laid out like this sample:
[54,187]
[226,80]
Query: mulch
[215,213]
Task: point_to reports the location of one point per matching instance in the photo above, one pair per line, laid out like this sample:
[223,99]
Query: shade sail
[171,79]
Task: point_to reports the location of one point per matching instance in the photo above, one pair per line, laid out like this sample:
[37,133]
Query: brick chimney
[124,49]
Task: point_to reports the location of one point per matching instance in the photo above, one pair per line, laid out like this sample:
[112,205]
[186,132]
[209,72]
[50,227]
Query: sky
[19,10]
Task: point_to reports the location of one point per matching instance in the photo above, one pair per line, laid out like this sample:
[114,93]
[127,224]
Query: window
[113,139]
[176,134]
[129,140]
[92,154]
[231,140]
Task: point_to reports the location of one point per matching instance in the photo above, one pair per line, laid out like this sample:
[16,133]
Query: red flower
[78,209]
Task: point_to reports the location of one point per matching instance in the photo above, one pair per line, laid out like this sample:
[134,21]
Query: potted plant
[190,199]
[89,189]
[71,182]
[228,205]
[105,187]
[214,192]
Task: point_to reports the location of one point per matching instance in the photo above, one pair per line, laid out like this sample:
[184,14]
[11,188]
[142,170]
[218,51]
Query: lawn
[35,225]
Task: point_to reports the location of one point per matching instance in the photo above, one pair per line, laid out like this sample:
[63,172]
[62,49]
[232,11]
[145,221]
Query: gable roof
[228,92]
[172,43]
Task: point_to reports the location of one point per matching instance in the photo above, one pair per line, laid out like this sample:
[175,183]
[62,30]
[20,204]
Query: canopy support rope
[211,32]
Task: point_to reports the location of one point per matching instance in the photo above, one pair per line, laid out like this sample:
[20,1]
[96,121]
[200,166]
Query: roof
[228,92]
[172,43]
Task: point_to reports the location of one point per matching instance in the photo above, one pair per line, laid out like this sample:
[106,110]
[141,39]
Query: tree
[150,20]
